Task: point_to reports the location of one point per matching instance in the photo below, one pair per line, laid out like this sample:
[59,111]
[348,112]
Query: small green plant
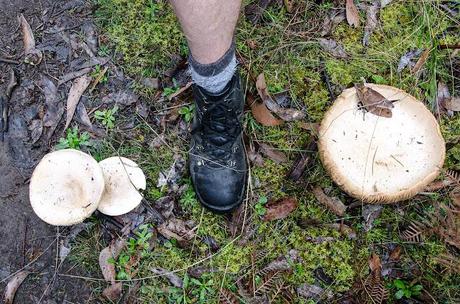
[73,140]
[201,289]
[188,199]
[193,291]
[187,112]
[405,289]
[167,92]
[97,72]
[136,248]
[104,50]
[107,117]
[260,206]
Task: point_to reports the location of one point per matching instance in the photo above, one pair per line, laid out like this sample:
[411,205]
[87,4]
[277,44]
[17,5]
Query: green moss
[144,32]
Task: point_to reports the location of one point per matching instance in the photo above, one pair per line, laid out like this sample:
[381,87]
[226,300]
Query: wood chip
[334,204]
[421,61]
[13,285]
[280,209]
[33,55]
[275,155]
[352,13]
[77,89]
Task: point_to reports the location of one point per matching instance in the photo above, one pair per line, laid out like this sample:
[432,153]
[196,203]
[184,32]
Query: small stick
[11,61]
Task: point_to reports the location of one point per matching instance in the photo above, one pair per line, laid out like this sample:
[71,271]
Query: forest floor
[139,106]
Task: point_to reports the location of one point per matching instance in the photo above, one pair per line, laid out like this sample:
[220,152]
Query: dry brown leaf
[286,114]
[262,114]
[395,255]
[333,47]
[334,204]
[421,61]
[113,292]
[352,13]
[177,229]
[280,209]
[372,20]
[33,55]
[13,285]
[373,101]
[452,104]
[375,264]
[110,252]
[77,89]
[275,155]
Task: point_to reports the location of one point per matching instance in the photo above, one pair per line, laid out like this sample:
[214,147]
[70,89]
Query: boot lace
[219,128]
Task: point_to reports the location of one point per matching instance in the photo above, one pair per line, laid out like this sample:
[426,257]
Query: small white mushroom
[380,159]
[123,180]
[66,187]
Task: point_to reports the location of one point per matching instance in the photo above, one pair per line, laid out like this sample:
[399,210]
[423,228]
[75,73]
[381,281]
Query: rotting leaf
[421,61]
[372,20]
[13,285]
[171,276]
[373,101]
[370,214]
[375,264]
[262,114]
[106,255]
[36,130]
[286,114]
[334,18]
[302,161]
[177,229]
[280,208]
[77,89]
[406,59]
[275,155]
[254,11]
[334,204]
[352,13]
[343,229]
[333,47]
[442,96]
[395,254]
[452,104]
[113,292]
[33,55]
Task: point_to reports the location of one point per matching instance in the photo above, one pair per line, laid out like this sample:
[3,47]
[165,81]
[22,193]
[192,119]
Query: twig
[11,61]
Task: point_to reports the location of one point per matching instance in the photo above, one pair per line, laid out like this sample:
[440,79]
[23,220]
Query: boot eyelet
[231,163]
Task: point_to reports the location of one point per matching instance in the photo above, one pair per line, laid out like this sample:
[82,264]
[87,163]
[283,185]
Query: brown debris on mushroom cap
[123,180]
[379,159]
[66,187]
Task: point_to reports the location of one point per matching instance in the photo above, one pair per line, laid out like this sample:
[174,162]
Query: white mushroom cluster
[381,159]
[67,186]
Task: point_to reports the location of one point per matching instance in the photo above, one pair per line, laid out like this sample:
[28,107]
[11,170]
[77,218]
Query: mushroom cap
[66,187]
[378,159]
[123,179]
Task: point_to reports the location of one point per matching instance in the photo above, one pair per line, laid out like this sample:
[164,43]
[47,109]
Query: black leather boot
[217,158]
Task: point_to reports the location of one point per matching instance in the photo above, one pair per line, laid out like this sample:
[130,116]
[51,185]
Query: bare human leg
[217,158]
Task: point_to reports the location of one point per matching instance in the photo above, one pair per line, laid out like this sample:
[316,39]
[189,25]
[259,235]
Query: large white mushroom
[381,159]
[66,187]
[123,180]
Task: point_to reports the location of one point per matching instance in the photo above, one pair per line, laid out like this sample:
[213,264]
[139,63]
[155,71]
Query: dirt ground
[28,242]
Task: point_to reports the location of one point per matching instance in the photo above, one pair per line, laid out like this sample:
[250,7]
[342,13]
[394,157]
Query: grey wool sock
[213,77]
